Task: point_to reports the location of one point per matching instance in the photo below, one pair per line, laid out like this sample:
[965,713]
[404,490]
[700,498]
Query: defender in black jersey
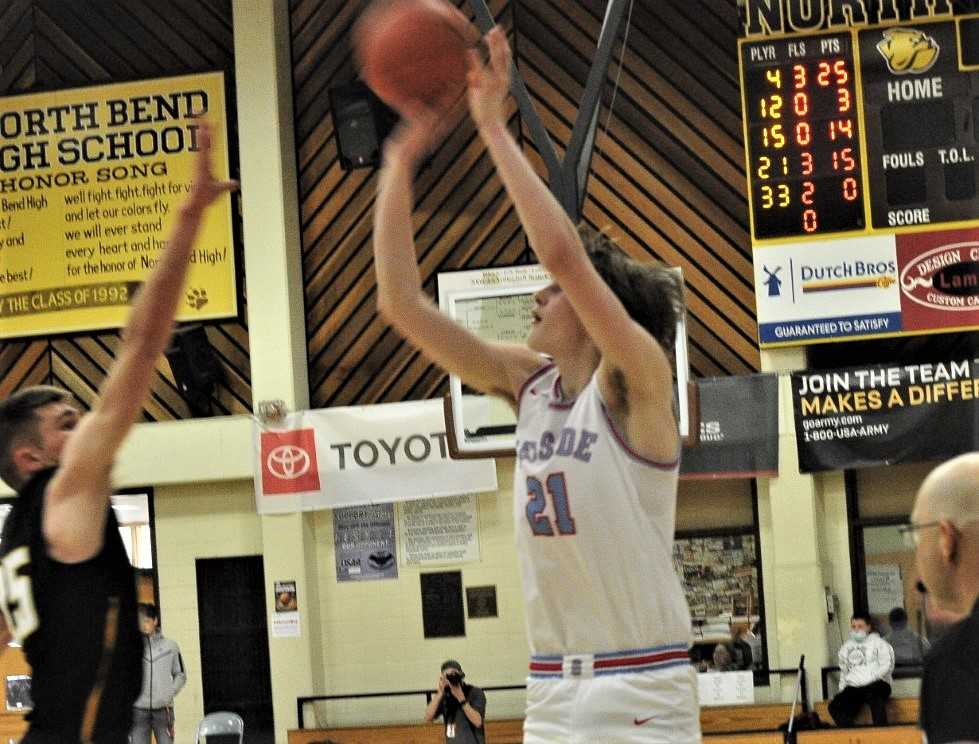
[85,650]
[67,589]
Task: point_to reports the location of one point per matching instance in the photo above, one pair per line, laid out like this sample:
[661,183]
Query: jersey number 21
[537,493]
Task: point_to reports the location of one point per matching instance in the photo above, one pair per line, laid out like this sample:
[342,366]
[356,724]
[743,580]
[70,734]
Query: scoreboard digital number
[805,165]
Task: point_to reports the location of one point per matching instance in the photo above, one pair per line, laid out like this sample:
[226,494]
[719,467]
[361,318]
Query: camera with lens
[453,678]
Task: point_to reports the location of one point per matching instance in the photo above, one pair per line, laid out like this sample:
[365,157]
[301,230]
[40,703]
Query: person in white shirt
[866,666]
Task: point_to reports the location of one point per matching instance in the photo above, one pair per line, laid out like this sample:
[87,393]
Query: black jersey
[77,624]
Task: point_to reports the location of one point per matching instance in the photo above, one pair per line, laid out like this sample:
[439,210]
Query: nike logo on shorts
[642,721]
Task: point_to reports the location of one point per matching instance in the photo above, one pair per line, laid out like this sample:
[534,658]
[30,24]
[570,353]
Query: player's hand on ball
[489,83]
[420,130]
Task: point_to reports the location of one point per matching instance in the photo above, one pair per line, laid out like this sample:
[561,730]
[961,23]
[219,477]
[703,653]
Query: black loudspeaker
[196,368]
[361,122]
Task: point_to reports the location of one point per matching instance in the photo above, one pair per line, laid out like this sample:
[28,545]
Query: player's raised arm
[77,497]
[499,369]
[628,350]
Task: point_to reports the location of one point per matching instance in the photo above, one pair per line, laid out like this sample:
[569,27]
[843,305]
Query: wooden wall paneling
[658,52]
[669,178]
[440,197]
[617,170]
[49,44]
[662,96]
[17,51]
[614,197]
[23,363]
[643,116]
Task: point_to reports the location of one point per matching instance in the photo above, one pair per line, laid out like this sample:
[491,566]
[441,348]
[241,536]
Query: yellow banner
[90,179]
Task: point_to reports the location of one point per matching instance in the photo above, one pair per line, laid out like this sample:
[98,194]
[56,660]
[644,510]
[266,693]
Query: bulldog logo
[907,50]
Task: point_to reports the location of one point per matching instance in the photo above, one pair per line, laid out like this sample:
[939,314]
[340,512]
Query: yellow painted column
[276,317]
[288,543]
[836,557]
[793,562]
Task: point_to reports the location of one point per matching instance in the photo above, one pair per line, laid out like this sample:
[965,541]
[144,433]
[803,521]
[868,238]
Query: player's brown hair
[651,293]
[18,424]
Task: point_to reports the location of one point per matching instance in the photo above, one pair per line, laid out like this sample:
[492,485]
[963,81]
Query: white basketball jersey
[594,524]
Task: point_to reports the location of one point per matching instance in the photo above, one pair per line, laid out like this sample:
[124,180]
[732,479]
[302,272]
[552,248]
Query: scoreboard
[861,149]
[805,165]
[923,146]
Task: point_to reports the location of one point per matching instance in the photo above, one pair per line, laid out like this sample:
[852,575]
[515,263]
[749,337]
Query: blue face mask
[858,635]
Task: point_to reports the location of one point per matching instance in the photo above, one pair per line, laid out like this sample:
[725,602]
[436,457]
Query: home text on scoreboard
[920,102]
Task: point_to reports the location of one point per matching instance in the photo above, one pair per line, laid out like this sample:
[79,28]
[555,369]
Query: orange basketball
[414,51]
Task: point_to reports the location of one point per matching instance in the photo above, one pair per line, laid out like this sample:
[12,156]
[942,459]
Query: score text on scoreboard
[805,166]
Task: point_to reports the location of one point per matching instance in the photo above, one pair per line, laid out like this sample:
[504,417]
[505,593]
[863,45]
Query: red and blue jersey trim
[624,445]
[534,376]
[616,662]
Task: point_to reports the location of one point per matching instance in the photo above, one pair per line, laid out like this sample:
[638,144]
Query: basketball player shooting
[67,589]
[597,442]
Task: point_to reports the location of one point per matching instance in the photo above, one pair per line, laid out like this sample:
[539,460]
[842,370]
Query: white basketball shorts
[658,706]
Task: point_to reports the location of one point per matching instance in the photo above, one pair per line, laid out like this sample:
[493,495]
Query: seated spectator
[909,647]
[697,658]
[753,638]
[866,664]
[740,648]
[723,660]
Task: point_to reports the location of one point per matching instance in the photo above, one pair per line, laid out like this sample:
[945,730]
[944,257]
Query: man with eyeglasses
[944,530]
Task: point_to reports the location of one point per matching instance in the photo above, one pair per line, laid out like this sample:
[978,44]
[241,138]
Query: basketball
[414,51]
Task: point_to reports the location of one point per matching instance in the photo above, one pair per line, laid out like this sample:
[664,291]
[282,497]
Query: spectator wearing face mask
[866,665]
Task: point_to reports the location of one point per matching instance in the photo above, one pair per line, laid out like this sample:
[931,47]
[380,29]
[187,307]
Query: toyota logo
[288,462]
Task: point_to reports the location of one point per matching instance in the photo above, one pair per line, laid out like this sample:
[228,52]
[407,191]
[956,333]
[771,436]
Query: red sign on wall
[939,276]
[289,462]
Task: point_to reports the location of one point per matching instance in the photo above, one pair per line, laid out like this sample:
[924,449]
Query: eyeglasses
[909,532]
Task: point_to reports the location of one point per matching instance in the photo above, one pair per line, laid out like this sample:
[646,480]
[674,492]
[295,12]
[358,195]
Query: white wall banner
[726,688]
[837,289]
[361,455]
[285,620]
[885,588]
[440,530]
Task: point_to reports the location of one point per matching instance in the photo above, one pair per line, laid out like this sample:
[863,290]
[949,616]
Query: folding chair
[222,724]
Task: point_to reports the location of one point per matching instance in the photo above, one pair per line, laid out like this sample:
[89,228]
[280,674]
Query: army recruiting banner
[859,417]
[90,180]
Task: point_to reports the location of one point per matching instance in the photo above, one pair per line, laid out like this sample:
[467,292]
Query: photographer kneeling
[461,706]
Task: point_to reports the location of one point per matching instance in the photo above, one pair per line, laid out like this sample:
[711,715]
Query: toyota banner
[361,455]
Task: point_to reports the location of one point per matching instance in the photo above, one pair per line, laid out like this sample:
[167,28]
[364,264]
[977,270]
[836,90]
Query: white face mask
[858,635]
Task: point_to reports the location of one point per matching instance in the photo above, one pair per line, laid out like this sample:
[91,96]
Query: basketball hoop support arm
[567,178]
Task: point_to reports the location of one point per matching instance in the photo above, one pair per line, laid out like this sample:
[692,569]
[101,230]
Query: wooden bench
[511,732]
[899,710]
[498,732]
[723,719]
[881,735]
[728,720]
